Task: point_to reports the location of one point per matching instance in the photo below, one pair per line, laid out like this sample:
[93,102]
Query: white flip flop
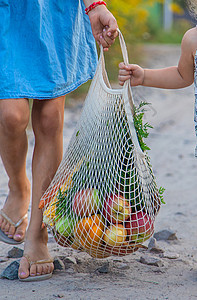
[39,277]
[3,237]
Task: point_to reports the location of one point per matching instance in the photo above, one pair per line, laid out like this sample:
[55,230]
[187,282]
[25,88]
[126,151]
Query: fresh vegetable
[86,202]
[52,192]
[161,192]
[140,227]
[48,196]
[65,225]
[89,231]
[115,235]
[140,127]
[49,214]
[117,209]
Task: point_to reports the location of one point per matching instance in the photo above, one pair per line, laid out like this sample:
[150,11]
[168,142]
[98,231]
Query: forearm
[167,78]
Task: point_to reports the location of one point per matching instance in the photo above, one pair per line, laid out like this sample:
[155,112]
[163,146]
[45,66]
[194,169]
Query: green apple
[65,225]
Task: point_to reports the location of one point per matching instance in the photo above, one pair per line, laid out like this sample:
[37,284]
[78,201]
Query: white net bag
[103,198]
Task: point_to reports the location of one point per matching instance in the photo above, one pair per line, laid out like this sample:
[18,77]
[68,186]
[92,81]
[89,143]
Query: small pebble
[165,235]
[15,252]
[170,255]
[122,266]
[11,272]
[59,296]
[103,269]
[153,247]
[58,264]
[148,260]
[70,260]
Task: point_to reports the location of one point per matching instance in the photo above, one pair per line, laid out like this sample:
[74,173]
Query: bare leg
[47,122]
[14,118]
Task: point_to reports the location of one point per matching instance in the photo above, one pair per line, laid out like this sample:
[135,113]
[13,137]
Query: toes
[19,235]
[38,268]
[3,225]
[23,271]
[20,231]
[6,227]
[47,268]
[51,268]
[11,231]
[42,269]
[33,270]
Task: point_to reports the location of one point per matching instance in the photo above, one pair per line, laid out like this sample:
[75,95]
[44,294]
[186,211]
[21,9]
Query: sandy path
[172,143]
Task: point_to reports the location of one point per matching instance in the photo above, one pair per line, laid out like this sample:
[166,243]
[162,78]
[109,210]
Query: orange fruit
[89,231]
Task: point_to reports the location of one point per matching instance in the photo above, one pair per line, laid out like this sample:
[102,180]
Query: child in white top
[173,77]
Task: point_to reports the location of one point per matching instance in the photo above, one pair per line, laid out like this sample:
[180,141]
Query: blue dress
[46,48]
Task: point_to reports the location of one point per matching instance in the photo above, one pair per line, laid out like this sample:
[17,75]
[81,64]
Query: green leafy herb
[141,129]
[64,201]
[161,192]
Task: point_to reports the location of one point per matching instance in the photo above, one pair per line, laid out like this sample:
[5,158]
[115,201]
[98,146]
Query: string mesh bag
[104,197]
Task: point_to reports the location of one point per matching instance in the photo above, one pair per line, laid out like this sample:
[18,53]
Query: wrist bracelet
[93,5]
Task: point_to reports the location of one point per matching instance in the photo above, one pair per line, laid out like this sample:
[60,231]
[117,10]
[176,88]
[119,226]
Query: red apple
[117,209]
[86,202]
[115,235]
[139,227]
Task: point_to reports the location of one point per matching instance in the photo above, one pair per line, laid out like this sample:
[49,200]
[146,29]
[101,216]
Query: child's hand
[133,72]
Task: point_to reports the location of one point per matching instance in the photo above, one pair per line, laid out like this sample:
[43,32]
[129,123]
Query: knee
[13,121]
[50,122]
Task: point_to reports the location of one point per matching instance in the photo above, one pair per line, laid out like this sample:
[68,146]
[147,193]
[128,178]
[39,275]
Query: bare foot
[36,260]
[15,208]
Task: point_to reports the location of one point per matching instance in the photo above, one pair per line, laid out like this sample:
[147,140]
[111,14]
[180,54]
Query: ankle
[19,186]
[19,193]
[39,235]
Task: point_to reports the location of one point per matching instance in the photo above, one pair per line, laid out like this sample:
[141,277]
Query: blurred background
[142,22]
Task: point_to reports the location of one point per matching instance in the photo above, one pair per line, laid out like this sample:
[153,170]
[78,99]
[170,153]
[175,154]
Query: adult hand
[104,26]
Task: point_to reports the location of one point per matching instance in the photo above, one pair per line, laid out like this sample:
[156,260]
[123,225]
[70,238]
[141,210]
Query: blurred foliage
[181,3]
[139,26]
[132,16]
[177,9]
[174,36]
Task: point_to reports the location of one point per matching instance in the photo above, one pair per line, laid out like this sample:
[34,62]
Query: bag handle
[128,98]
[126,61]
[123,47]
[126,92]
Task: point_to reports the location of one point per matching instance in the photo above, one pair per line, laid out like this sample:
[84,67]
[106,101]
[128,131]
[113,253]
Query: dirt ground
[172,143]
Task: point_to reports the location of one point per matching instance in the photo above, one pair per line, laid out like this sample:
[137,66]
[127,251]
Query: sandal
[3,237]
[39,277]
